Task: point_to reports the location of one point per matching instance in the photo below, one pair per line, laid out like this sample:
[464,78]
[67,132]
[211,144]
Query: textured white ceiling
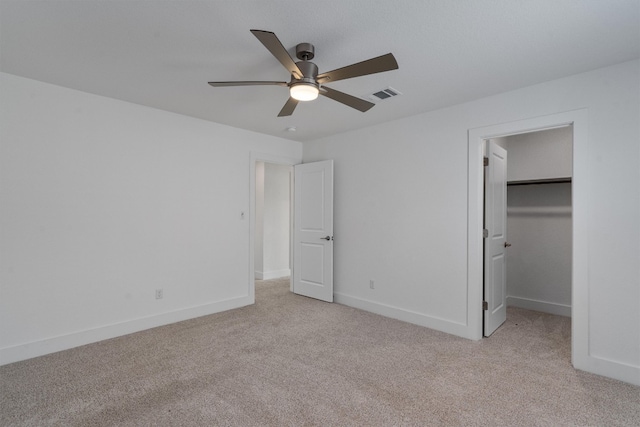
[162,53]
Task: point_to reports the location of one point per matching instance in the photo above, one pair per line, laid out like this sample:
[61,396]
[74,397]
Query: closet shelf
[540,181]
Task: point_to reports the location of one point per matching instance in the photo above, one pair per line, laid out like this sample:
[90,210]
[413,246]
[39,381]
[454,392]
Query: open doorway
[538,224]
[580,356]
[273,209]
[256,158]
[310,262]
[272,221]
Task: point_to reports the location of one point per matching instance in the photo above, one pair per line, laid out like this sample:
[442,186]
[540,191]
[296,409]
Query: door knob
[507,244]
[327,238]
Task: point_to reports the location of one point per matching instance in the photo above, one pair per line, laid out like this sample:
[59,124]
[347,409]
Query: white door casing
[495,214]
[313,230]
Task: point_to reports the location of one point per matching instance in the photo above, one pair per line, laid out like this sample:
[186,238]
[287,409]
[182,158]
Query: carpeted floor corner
[293,361]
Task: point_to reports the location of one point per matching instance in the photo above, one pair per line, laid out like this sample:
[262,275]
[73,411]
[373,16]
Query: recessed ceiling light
[291,129]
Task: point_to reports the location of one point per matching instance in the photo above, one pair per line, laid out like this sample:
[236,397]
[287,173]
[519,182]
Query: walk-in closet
[539,224]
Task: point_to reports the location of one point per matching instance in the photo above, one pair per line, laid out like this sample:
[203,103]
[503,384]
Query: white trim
[409,316]
[273,274]
[612,369]
[580,188]
[64,342]
[542,306]
[267,158]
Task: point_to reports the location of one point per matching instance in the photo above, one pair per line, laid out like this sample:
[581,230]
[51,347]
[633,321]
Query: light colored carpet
[293,361]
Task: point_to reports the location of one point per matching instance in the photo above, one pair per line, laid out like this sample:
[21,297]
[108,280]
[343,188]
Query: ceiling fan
[306,84]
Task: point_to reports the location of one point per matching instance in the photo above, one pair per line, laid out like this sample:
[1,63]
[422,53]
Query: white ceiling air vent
[383,94]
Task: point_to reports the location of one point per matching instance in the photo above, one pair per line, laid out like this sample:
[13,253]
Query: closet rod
[540,181]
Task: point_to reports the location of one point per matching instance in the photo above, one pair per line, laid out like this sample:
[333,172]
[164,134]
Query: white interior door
[495,217]
[313,230]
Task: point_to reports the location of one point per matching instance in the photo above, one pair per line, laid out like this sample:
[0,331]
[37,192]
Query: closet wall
[539,220]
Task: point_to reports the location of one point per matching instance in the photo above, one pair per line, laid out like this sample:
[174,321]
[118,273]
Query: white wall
[272,220]
[277,207]
[259,216]
[103,202]
[401,209]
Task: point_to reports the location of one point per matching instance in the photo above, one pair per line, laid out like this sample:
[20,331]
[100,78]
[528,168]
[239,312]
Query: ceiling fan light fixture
[305,81]
[304,91]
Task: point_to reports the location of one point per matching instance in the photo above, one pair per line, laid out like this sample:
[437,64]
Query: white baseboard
[274,274]
[608,368]
[443,325]
[76,339]
[542,306]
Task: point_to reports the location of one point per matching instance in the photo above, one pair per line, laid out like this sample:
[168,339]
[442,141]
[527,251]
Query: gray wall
[539,155]
[539,260]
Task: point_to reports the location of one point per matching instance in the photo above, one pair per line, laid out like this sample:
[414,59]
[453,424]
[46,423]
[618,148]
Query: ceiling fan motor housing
[309,71]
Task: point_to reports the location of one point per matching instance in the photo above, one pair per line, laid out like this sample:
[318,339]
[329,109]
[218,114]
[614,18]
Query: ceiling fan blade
[273,45]
[370,66]
[246,83]
[288,108]
[348,100]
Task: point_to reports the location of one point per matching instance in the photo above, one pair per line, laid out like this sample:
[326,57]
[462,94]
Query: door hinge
[485,305]
[485,233]
[485,161]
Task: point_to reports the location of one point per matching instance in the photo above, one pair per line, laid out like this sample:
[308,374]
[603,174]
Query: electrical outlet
[159,293]
[372,284]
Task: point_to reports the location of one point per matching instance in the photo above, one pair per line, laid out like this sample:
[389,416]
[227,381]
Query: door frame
[275,159]
[580,197]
